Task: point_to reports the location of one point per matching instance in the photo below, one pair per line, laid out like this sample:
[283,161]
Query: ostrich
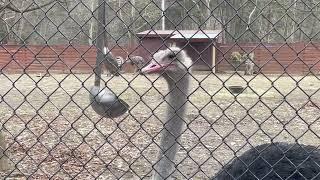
[248,59]
[176,73]
[274,161]
[268,161]
[137,62]
[118,59]
[120,62]
[249,67]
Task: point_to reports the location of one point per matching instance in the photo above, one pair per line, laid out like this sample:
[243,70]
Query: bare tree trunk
[133,3]
[3,18]
[269,16]
[293,22]
[301,35]
[208,12]
[163,18]
[133,27]
[120,10]
[43,29]
[313,27]
[251,14]
[131,40]
[182,14]
[21,25]
[92,24]
[286,27]
[222,19]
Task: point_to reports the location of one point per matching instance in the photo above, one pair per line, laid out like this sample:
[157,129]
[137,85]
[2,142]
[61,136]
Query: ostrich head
[172,61]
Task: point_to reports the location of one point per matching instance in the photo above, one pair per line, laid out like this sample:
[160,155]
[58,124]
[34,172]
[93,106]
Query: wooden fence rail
[294,58]
[54,59]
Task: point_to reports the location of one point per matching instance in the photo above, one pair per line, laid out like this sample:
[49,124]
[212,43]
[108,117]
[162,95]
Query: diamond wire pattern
[118,150]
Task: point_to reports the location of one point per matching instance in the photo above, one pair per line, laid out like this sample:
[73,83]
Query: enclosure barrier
[159,89]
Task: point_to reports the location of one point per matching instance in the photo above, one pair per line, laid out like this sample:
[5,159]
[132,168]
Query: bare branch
[9,6]
[8,18]
[252,12]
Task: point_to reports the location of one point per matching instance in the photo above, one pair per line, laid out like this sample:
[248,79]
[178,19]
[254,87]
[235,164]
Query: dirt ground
[52,132]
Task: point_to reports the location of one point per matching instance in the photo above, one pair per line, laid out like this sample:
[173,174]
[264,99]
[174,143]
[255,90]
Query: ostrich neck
[176,99]
[177,96]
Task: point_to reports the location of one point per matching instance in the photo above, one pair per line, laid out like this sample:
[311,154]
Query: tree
[6,7]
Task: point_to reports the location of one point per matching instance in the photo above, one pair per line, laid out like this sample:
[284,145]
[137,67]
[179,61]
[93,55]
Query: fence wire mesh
[187,87]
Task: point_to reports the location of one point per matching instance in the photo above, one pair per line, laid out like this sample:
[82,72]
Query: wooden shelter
[200,45]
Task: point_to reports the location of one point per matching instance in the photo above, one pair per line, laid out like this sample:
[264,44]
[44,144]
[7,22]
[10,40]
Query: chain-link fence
[156,89]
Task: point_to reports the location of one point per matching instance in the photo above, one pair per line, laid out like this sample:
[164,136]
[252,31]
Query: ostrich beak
[155,67]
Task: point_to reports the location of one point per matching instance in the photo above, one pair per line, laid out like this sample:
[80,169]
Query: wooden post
[214,59]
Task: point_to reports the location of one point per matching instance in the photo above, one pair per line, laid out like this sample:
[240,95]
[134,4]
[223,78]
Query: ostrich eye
[171,56]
